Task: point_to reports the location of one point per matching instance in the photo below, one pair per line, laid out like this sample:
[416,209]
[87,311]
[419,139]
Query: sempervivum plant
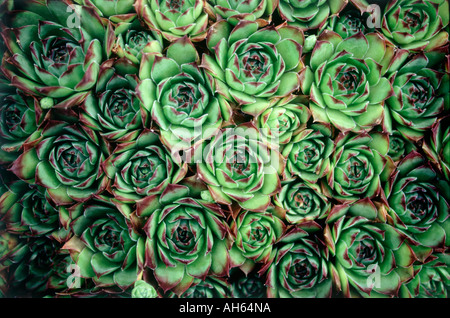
[114,109]
[175,19]
[211,287]
[251,65]
[141,168]
[239,167]
[183,105]
[358,166]
[299,269]
[419,201]
[104,246]
[372,259]
[66,161]
[437,146]
[345,80]
[234,11]
[51,49]
[416,25]
[309,14]
[187,238]
[248,286]
[419,95]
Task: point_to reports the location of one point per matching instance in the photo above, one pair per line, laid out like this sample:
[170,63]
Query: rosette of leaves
[359,167]
[142,289]
[114,110]
[65,279]
[238,166]
[299,269]
[371,258]
[234,11]
[437,146]
[431,281]
[27,210]
[210,287]
[399,146]
[176,91]
[345,80]
[255,234]
[309,14]
[20,116]
[54,49]
[419,96]
[174,19]
[187,238]
[248,286]
[253,66]
[351,21]
[105,246]
[416,25]
[141,168]
[308,154]
[32,265]
[280,123]
[301,202]
[66,160]
[419,201]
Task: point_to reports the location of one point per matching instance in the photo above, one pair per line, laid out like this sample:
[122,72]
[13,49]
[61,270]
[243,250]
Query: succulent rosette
[211,287]
[299,269]
[419,96]
[234,11]
[431,281]
[175,19]
[252,65]
[358,167]
[351,21]
[248,286]
[301,202]
[399,146]
[255,234]
[345,80]
[114,111]
[308,154]
[141,168]
[28,211]
[437,146]
[54,49]
[371,258]
[416,25]
[187,238]
[280,123]
[238,166]
[143,289]
[66,160]
[176,92]
[104,246]
[419,202]
[309,14]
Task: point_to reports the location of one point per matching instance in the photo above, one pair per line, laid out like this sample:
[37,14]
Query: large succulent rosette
[234,11]
[416,25]
[419,201]
[345,80]
[239,167]
[251,65]
[187,238]
[53,49]
[66,160]
[182,103]
[104,246]
[371,259]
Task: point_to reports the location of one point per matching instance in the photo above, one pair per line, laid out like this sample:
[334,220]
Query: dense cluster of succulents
[224,149]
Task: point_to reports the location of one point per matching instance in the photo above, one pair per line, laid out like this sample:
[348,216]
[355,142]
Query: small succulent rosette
[416,25]
[238,167]
[235,11]
[187,238]
[105,247]
[176,92]
[371,258]
[299,268]
[253,66]
[54,49]
[419,204]
[210,287]
[419,95]
[247,285]
[66,160]
[142,289]
[174,19]
[437,146]
[346,80]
